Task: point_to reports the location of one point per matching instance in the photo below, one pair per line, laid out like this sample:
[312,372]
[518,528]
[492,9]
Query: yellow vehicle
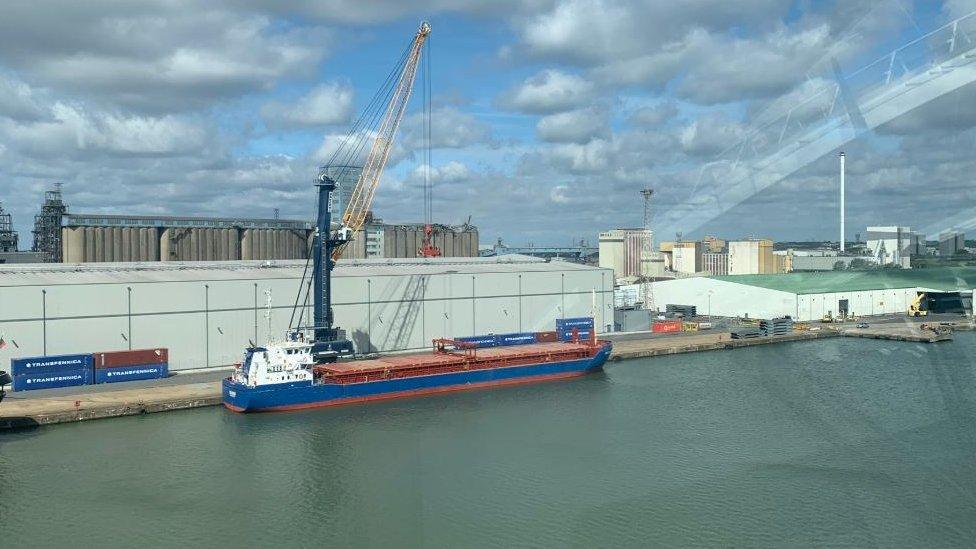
[915,308]
[827,317]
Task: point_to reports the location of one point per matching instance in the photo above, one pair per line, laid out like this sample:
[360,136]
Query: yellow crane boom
[362,195]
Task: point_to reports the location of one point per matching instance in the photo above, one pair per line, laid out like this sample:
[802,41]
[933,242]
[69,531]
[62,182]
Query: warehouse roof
[941,278]
[43,274]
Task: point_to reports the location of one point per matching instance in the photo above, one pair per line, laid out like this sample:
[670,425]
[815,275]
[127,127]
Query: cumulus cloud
[710,134]
[654,116]
[449,173]
[549,91]
[578,126]
[155,56]
[72,130]
[324,105]
[450,128]
[17,101]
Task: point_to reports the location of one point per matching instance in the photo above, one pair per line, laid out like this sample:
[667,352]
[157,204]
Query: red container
[546,337]
[666,326]
[138,357]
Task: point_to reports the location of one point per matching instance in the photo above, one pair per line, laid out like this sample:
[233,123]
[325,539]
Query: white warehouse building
[809,296]
[205,313]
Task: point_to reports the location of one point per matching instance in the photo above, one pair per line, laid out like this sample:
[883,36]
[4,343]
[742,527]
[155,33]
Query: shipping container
[546,337]
[131,373]
[666,326]
[480,341]
[49,364]
[569,323]
[704,325]
[567,335]
[49,380]
[522,338]
[689,326]
[136,357]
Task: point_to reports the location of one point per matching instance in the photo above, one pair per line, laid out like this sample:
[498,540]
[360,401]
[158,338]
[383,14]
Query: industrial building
[754,256]
[810,296]
[96,238]
[894,244]
[380,240]
[8,236]
[205,312]
[47,225]
[628,253]
[715,263]
[581,253]
[951,243]
[345,178]
[686,257]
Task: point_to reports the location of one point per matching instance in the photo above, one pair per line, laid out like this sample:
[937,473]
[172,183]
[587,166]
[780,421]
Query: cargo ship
[308,368]
[283,376]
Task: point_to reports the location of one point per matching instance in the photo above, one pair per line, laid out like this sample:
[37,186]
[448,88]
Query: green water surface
[840,443]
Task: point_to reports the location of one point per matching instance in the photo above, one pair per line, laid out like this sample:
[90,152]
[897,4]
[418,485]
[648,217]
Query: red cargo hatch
[393,367]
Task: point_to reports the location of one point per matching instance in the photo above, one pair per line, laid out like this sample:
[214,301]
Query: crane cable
[349,148]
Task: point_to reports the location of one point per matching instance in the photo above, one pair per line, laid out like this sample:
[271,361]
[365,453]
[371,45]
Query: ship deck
[400,366]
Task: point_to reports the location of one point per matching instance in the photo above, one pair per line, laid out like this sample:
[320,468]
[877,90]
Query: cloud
[17,101]
[353,149]
[450,128]
[578,126]
[324,105]
[595,32]
[654,116]
[154,56]
[547,92]
[710,134]
[449,173]
[75,131]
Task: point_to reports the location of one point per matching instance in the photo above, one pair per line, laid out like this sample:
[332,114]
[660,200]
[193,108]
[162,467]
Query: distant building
[95,238]
[346,178]
[894,244]
[951,243]
[622,249]
[715,263]
[713,244]
[686,257]
[401,240]
[751,257]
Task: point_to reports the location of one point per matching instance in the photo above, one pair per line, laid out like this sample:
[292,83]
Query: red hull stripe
[415,392]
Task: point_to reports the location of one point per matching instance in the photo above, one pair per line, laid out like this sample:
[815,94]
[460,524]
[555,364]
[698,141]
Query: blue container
[49,380]
[523,338]
[49,364]
[570,323]
[480,341]
[131,373]
[567,335]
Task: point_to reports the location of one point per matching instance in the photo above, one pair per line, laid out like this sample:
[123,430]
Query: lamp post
[710,292]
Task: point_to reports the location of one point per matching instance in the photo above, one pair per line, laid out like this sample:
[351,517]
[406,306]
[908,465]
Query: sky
[548,116]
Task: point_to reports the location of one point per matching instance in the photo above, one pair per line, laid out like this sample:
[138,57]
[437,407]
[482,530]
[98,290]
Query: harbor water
[839,442]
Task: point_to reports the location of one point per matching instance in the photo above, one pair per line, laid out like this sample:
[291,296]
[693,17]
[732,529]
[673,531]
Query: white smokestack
[842,157]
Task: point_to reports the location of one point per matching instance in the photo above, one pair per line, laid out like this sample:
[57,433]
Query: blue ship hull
[295,396]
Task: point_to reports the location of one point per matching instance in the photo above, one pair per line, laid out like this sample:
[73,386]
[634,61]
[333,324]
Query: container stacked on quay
[283,375]
[113,367]
[48,372]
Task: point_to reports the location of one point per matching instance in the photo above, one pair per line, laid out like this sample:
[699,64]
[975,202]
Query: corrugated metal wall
[120,244]
[109,244]
[207,321]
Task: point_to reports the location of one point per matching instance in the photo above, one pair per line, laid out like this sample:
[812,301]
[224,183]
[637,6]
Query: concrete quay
[701,341]
[18,412]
